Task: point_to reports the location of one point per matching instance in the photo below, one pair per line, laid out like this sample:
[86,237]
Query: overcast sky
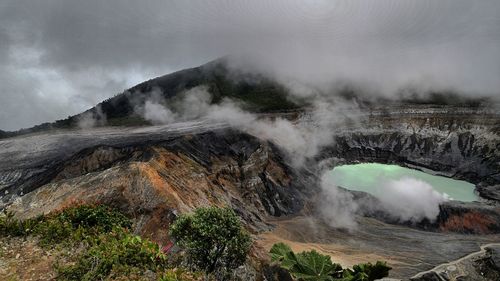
[59,57]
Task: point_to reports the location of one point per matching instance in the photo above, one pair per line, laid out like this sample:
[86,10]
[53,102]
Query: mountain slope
[255,92]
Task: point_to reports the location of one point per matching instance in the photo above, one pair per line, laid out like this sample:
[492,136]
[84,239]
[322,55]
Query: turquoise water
[366,176]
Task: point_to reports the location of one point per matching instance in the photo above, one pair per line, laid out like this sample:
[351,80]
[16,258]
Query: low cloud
[301,139]
[59,57]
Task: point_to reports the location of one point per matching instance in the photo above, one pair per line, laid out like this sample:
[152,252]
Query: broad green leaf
[314,266]
[284,255]
[279,251]
[369,271]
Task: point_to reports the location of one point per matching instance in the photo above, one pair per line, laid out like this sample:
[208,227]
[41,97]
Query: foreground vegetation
[98,245]
[312,266]
[104,247]
[214,240]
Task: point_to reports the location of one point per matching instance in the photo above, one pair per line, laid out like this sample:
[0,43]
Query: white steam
[405,199]
[301,139]
[91,119]
[193,104]
[337,206]
[157,113]
[154,109]
[410,199]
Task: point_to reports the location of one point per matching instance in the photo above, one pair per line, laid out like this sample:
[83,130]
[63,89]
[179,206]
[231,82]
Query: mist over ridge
[59,58]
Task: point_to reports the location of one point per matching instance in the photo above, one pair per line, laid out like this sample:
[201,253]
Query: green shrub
[213,238]
[101,217]
[10,226]
[180,275]
[106,248]
[312,266]
[118,251]
[305,265]
[74,223]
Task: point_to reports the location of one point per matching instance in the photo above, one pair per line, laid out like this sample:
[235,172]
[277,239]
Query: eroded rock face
[461,143]
[469,218]
[204,163]
[155,173]
[31,161]
[155,182]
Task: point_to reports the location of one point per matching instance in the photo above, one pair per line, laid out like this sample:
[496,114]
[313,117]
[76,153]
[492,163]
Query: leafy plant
[101,217]
[116,250]
[305,265]
[10,226]
[74,223]
[180,275]
[312,266]
[107,249]
[213,239]
[103,234]
[367,271]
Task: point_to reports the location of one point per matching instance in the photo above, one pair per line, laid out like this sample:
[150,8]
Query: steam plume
[301,139]
[91,118]
[410,199]
[405,199]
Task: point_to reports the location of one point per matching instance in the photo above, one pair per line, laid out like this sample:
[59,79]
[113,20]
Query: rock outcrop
[155,181]
[155,173]
[456,142]
[480,266]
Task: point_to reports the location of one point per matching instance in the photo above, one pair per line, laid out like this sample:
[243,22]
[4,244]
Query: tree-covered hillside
[256,93]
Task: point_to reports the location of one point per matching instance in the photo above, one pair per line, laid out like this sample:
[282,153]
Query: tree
[213,238]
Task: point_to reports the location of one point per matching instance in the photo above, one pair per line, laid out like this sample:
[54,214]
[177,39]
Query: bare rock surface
[154,173]
[409,251]
[456,142]
[477,266]
[153,178]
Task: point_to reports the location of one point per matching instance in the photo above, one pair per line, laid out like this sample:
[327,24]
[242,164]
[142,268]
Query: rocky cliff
[154,173]
[456,142]
[155,179]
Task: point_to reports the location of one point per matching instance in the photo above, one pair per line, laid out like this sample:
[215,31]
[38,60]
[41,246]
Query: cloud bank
[60,57]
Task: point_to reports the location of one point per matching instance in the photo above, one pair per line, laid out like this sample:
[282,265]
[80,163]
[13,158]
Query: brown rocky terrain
[154,182]
[155,173]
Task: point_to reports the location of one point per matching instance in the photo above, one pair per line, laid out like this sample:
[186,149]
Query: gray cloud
[59,57]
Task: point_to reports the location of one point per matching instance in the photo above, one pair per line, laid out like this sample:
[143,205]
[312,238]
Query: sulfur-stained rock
[155,182]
